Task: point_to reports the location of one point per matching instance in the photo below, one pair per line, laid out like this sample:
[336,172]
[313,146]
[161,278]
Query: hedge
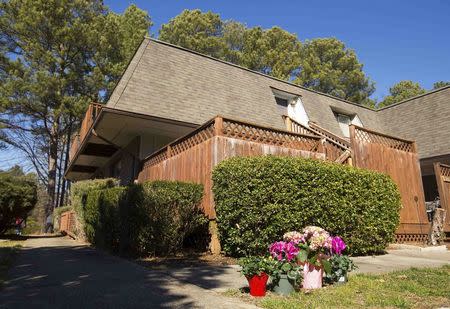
[18,196]
[258,199]
[153,218]
[102,217]
[78,195]
[166,213]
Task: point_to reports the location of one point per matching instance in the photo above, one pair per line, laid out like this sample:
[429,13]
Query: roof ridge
[256,72]
[415,97]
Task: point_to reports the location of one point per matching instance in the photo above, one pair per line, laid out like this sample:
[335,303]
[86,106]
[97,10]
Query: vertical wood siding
[399,159]
[442,173]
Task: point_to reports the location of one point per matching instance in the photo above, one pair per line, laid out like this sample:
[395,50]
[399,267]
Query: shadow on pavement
[205,275]
[81,277]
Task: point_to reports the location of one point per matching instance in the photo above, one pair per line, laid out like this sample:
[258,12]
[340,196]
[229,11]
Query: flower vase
[283,285]
[257,284]
[312,276]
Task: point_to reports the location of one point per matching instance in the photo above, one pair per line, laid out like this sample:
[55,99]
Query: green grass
[413,288]
[8,250]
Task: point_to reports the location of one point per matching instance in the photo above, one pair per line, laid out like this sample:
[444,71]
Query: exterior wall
[196,163]
[152,143]
[129,162]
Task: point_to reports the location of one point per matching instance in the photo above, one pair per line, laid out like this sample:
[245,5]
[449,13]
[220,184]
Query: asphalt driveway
[57,272]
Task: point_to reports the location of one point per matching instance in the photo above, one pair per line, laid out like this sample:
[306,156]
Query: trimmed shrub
[258,199]
[153,218]
[78,197]
[165,213]
[102,219]
[18,196]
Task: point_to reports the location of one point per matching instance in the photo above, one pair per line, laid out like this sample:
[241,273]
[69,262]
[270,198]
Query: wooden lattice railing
[237,129]
[88,120]
[336,148]
[445,170]
[368,136]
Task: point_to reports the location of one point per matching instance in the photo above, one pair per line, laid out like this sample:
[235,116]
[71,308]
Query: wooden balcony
[89,118]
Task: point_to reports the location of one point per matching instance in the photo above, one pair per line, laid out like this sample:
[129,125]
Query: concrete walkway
[400,259]
[61,273]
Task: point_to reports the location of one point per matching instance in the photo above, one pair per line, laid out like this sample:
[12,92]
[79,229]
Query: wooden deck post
[352,159]
[169,151]
[288,123]
[414,147]
[440,185]
[218,126]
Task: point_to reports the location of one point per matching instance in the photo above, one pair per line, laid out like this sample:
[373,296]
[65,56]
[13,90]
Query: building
[168,91]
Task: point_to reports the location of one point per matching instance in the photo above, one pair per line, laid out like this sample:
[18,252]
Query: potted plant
[340,264]
[257,270]
[287,274]
[314,251]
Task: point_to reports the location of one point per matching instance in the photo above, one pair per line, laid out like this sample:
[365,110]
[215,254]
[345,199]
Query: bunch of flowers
[340,264]
[283,251]
[294,236]
[285,254]
[317,238]
[337,245]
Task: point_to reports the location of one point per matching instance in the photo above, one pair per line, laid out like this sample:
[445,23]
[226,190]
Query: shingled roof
[168,81]
[172,82]
[424,118]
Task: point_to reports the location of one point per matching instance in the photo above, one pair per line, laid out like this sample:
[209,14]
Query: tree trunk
[59,176]
[52,165]
[66,163]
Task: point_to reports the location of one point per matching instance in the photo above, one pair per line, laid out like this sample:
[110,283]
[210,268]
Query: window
[291,105]
[344,122]
[282,102]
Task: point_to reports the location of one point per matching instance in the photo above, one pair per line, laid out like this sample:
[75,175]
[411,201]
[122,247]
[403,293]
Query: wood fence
[442,172]
[193,157]
[88,120]
[67,223]
[397,158]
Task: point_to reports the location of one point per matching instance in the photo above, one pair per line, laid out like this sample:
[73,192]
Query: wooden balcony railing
[89,118]
[336,148]
[236,129]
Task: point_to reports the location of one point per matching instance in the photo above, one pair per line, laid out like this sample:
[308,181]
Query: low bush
[18,196]
[153,218]
[102,221]
[78,198]
[258,199]
[165,214]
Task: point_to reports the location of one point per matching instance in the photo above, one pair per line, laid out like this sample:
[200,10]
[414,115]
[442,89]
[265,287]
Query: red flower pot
[258,284]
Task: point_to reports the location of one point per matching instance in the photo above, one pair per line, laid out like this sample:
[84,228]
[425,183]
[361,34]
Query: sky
[395,40]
